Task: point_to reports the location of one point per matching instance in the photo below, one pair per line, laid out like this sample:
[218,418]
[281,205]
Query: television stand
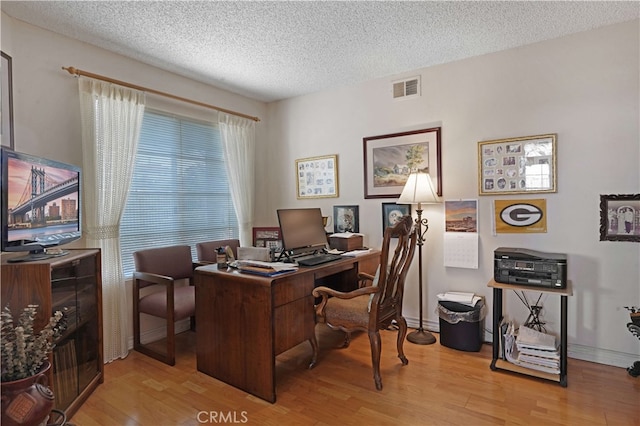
[39,255]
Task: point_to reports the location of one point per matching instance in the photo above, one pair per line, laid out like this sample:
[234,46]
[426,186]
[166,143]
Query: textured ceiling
[276,50]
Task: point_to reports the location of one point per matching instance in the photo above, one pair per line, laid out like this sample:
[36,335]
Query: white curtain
[238,141]
[111,120]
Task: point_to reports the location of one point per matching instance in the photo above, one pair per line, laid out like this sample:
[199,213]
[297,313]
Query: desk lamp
[419,190]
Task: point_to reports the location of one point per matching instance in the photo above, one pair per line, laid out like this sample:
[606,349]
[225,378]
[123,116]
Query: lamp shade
[419,190]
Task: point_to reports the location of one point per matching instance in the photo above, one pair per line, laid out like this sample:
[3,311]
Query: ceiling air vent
[408,88]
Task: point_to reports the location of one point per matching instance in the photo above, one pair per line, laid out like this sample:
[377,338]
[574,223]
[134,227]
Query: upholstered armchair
[163,267]
[206,251]
[375,306]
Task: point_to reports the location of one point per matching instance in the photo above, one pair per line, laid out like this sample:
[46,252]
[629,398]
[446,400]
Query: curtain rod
[77,72]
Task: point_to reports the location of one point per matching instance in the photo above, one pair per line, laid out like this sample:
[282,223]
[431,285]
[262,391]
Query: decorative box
[353,242]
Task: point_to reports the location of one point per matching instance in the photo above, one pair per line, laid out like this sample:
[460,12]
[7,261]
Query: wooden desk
[243,321]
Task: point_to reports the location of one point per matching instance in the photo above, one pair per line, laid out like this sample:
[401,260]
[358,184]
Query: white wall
[584,87]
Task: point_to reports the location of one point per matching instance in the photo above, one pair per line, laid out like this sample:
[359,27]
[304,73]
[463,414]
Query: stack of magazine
[532,349]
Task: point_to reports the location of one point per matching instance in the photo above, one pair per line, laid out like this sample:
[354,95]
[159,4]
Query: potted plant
[26,399]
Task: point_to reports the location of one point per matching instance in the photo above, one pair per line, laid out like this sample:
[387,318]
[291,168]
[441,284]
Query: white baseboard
[602,356]
[584,353]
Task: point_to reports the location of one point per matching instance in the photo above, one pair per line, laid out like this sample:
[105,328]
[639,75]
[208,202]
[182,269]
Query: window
[179,191]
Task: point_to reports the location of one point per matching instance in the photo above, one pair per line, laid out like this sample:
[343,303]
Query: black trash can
[462,326]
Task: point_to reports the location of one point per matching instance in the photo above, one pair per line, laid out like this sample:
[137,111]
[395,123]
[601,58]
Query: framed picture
[389,159]
[345,219]
[392,213]
[6,104]
[267,237]
[461,216]
[523,165]
[317,177]
[620,217]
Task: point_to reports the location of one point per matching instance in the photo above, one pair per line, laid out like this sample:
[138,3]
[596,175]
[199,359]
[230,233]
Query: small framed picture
[620,217]
[393,212]
[317,177]
[267,237]
[345,219]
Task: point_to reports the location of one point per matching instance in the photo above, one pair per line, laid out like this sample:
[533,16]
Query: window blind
[179,191]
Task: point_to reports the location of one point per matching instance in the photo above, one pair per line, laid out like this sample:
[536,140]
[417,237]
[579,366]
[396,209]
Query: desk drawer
[293,324]
[333,269]
[286,290]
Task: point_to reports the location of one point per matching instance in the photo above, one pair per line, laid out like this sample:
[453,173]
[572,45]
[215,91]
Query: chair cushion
[184,301]
[347,312]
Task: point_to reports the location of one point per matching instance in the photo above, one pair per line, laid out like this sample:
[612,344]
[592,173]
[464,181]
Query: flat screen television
[40,205]
[302,230]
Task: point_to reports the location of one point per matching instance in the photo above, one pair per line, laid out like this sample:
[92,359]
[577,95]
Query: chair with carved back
[375,306]
[163,267]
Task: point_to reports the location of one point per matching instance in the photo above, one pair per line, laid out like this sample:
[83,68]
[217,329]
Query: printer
[530,267]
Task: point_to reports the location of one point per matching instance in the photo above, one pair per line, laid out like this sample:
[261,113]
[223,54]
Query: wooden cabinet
[71,284]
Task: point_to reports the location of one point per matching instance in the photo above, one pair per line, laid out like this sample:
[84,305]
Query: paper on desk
[335,251]
[354,253]
[276,266]
[345,234]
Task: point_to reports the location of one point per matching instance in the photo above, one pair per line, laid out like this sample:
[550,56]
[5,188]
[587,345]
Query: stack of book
[532,349]
[538,351]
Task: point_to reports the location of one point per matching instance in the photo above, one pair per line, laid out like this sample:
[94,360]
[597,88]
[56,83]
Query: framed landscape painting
[389,159]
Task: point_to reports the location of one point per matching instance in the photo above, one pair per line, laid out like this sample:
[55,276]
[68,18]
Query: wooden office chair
[207,251]
[163,267]
[373,307]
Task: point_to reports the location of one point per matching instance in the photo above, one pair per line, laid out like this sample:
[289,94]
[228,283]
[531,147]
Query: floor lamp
[419,190]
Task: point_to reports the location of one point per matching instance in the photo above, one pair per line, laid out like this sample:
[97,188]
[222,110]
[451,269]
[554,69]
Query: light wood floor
[439,386]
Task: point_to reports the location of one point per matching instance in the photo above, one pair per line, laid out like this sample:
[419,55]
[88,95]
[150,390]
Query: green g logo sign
[521,214]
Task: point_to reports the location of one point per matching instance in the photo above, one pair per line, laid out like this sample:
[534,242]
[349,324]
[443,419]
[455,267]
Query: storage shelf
[567,291]
[497,363]
[501,364]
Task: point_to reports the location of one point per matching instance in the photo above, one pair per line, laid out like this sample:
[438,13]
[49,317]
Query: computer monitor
[302,230]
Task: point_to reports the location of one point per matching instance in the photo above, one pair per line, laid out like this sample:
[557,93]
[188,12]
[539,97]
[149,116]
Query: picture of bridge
[41,196]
